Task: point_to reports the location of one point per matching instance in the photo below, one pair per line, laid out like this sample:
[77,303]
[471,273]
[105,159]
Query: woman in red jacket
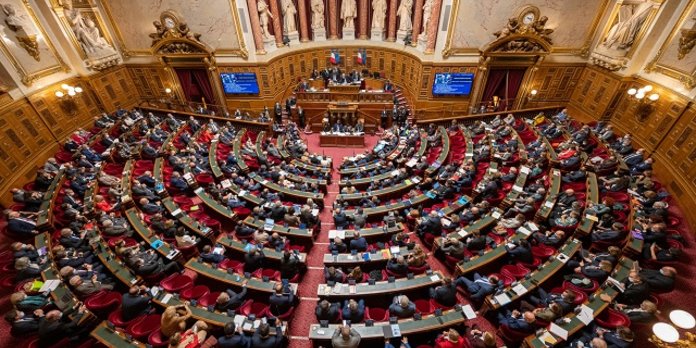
[451,339]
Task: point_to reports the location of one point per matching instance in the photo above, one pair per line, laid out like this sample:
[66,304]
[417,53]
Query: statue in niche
[17,23]
[427,12]
[317,14]
[264,13]
[379,13]
[404,14]
[629,21]
[289,12]
[85,30]
[348,13]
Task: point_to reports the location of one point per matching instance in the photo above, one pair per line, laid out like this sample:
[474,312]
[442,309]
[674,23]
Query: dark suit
[657,281]
[518,324]
[634,293]
[280,304]
[20,227]
[359,244]
[331,314]
[354,317]
[402,312]
[134,305]
[234,341]
[25,326]
[272,341]
[479,288]
[51,332]
[445,295]
[236,300]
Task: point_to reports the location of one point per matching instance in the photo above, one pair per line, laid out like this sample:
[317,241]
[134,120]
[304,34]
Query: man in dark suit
[263,339]
[22,324]
[515,320]
[354,310]
[402,307]
[480,287]
[445,294]
[253,260]
[209,256]
[54,326]
[282,300]
[358,243]
[149,208]
[233,338]
[230,299]
[521,252]
[661,280]
[327,311]
[21,226]
[134,303]
[636,290]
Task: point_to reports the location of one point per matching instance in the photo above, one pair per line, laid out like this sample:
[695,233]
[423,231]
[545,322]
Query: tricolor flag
[361,57]
[335,58]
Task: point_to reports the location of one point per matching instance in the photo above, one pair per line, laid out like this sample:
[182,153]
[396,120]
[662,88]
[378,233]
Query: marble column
[433,25]
[333,19]
[417,22]
[362,19]
[277,26]
[393,5]
[304,26]
[255,26]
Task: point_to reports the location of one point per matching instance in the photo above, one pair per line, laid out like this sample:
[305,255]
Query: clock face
[169,22]
[528,18]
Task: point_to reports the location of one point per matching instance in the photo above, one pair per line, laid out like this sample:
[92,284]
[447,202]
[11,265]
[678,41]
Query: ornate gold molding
[688,78]
[687,40]
[525,34]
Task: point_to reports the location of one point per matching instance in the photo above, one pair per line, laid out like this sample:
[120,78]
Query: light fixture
[665,332]
[533,92]
[682,319]
[59,94]
[645,99]
[67,90]
[168,90]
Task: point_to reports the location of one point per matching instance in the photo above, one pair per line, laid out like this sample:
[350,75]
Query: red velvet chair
[542,251]
[176,282]
[208,299]
[423,306]
[515,271]
[283,316]
[257,308]
[231,264]
[511,336]
[418,270]
[611,319]
[267,272]
[156,339]
[143,328]
[376,314]
[194,292]
[115,318]
[103,302]
[187,251]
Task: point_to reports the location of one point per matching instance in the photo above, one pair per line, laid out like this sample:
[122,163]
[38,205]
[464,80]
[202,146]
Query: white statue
[629,22]
[14,21]
[85,30]
[289,12]
[379,13]
[404,13]
[317,14]
[348,13]
[427,12]
[264,13]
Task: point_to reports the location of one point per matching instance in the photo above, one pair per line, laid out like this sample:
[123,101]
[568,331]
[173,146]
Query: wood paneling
[150,80]
[596,94]
[115,89]
[555,84]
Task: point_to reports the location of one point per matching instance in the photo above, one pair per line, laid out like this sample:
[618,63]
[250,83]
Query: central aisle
[304,315]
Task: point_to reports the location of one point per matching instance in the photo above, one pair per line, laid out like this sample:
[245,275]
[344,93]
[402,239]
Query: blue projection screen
[239,83]
[452,84]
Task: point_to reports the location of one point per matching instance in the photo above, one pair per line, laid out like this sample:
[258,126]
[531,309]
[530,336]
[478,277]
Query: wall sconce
[168,90]
[66,95]
[645,102]
[665,335]
[533,93]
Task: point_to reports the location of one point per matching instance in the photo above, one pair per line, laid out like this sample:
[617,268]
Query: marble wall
[25,43]
[213,19]
[573,21]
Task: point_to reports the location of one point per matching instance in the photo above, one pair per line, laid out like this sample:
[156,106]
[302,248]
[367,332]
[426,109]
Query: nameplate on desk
[176,212]
[198,190]
[591,217]
[495,214]
[524,231]
[435,277]
[166,298]
[517,188]
[463,233]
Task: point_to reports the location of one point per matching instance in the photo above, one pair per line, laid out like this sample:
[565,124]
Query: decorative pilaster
[393,5]
[304,26]
[333,19]
[277,27]
[255,26]
[362,19]
[417,22]
[433,24]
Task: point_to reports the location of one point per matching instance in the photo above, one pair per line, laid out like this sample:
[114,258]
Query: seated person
[332,274]
[233,337]
[515,320]
[397,265]
[282,300]
[135,303]
[453,247]
[353,310]
[402,307]
[450,339]
[661,280]
[445,294]
[327,311]
[231,300]
[480,287]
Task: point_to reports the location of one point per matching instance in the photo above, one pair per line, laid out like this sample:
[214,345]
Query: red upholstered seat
[282,316]
[418,270]
[611,319]
[143,328]
[176,282]
[423,306]
[542,251]
[204,178]
[194,292]
[511,336]
[104,301]
[157,340]
[257,308]
[515,271]
[231,264]
[115,318]
[376,313]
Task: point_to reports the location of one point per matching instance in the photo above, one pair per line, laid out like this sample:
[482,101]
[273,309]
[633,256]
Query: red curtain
[196,85]
[200,76]
[495,85]
[496,78]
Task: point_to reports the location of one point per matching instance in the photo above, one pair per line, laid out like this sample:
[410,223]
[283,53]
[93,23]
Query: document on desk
[524,170]
[394,249]
[435,277]
[562,257]
[468,312]
[617,284]
[586,315]
[166,298]
[548,204]
[524,231]
[558,331]
[239,320]
[517,188]
[519,289]
[226,183]
[502,299]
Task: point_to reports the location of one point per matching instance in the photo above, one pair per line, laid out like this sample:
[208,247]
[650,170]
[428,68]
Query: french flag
[361,57]
[335,58]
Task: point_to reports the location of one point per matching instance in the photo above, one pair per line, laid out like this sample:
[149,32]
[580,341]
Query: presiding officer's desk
[381,288]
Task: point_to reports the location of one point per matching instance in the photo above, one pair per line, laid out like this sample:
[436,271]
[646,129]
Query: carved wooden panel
[149,80]
[115,89]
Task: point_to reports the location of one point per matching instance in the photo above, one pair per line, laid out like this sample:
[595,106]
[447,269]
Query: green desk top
[380,256]
[111,338]
[111,261]
[476,262]
[283,231]
[340,290]
[368,233]
[150,237]
[404,185]
[232,279]
[551,195]
[238,246]
[586,224]
[442,157]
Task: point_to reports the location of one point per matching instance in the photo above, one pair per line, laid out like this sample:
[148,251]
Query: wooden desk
[377,257]
[537,277]
[150,237]
[479,225]
[381,193]
[429,323]
[297,196]
[369,233]
[381,288]
[238,246]
[44,219]
[554,188]
[335,140]
[114,338]
[620,273]
[304,235]
[234,279]
[587,222]
[442,157]
[115,266]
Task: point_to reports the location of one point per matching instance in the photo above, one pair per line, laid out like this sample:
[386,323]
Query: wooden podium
[341,140]
[347,113]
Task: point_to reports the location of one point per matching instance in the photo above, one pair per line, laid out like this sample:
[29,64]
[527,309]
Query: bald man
[345,337]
